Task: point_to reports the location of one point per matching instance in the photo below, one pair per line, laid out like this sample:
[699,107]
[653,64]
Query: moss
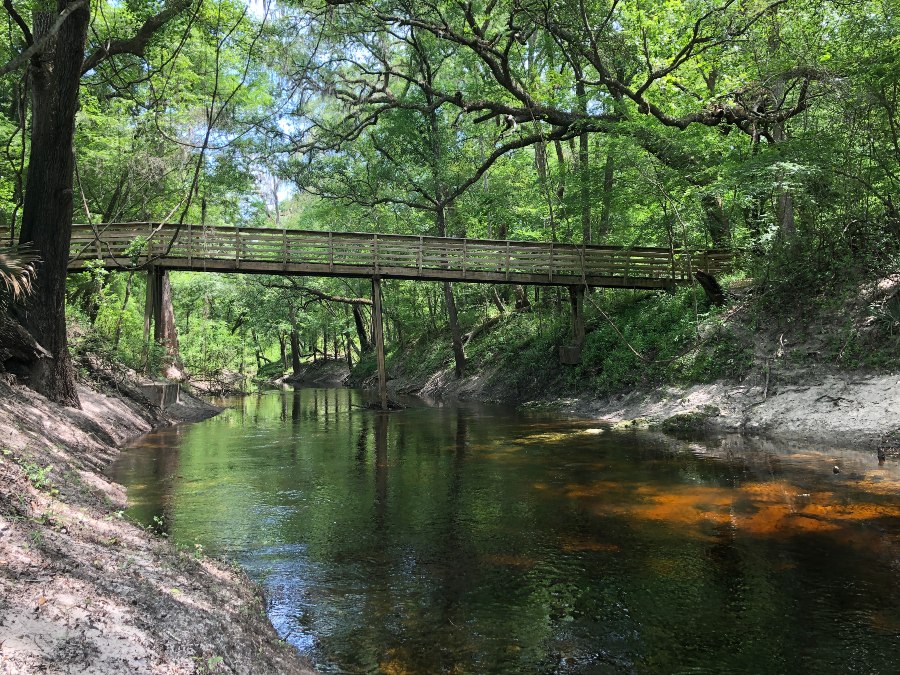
[691,421]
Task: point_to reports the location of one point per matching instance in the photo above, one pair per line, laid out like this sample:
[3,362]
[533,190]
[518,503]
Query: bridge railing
[138,244]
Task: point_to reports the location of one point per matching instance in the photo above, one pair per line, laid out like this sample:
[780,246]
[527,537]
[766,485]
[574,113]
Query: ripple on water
[465,540]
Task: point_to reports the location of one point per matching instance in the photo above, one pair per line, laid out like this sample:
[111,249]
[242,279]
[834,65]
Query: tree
[56,62]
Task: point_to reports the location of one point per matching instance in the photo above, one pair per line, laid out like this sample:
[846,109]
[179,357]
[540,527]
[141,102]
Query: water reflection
[476,540]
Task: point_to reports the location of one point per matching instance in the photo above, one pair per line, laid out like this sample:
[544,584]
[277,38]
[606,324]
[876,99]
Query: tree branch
[317,293]
[137,44]
[19,21]
[37,47]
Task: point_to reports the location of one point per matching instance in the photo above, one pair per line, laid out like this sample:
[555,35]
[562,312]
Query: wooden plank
[445,258]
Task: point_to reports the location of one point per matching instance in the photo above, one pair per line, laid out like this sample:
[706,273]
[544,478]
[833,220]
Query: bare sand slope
[84,591]
[839,407]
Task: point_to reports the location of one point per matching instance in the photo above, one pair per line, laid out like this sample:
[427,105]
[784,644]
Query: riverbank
[84,590]
[837,408]
[852,409]
[671,362]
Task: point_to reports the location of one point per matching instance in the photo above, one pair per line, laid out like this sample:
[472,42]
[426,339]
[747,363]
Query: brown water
[474,539]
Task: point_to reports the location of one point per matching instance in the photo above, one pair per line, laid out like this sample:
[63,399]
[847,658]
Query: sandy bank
[82,589]
[838,408]
[849,409]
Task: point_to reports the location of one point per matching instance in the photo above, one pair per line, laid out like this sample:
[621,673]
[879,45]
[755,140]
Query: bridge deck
[342,254]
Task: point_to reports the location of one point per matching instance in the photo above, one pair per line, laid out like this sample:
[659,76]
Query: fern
[17,270]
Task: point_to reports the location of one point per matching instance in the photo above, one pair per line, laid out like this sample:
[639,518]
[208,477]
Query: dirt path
[83,590]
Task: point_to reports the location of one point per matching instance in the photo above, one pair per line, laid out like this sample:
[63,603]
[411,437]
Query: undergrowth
[521,358]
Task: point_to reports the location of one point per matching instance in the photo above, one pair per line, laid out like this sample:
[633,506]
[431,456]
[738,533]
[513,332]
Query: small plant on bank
[39,476]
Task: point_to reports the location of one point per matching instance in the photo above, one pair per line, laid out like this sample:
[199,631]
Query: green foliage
[663,329]
[689,422]
[39,476]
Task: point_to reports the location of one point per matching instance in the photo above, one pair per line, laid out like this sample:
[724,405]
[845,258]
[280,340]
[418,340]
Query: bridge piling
[378,335]
[570,355]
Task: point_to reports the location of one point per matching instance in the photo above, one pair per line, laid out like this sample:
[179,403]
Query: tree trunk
[522,302]
[117,334]
[561,161]
[784,200]
[459,354]
[282,346]
[495,298]
[258,350]
[716,221]
[364,345]
[609,169]
[584,168]
[295,351]
[166,333]
[47,212]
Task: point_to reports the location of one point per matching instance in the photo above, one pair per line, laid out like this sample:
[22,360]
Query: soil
[84,590]
[329,372]
[850,409]
[815,400]
[838,408]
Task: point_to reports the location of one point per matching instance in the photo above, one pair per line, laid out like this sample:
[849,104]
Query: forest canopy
[767,127]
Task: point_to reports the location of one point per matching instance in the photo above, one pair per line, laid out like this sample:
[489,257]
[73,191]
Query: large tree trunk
[166,333]
[47,213]
[584,167]
[459,355]
[364,345]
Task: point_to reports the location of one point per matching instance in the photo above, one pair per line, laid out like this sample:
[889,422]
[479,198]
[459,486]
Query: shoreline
[83,589]
[826,406]
[841,409]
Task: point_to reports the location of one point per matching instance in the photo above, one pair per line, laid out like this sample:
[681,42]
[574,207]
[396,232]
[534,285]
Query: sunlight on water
[476,539]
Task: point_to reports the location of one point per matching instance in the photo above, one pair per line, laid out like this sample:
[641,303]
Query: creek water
[478,539]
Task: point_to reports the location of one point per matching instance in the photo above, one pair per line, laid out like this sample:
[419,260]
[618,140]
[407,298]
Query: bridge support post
[571,355]
[152,311]
[378,335]
[576,297]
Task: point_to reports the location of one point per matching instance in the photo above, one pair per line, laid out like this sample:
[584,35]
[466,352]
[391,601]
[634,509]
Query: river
[477,539]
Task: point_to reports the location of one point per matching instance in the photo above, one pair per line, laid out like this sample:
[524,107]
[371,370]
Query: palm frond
[17,269]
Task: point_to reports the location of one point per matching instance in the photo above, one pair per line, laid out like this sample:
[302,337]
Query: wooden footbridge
[386,256]
[157,247]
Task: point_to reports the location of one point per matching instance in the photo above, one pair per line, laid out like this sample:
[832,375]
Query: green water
[473,539]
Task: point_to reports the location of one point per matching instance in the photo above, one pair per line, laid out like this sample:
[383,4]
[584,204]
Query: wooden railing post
[507,260]
[583,273]
[465,255]
[331,252]
[550,271]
